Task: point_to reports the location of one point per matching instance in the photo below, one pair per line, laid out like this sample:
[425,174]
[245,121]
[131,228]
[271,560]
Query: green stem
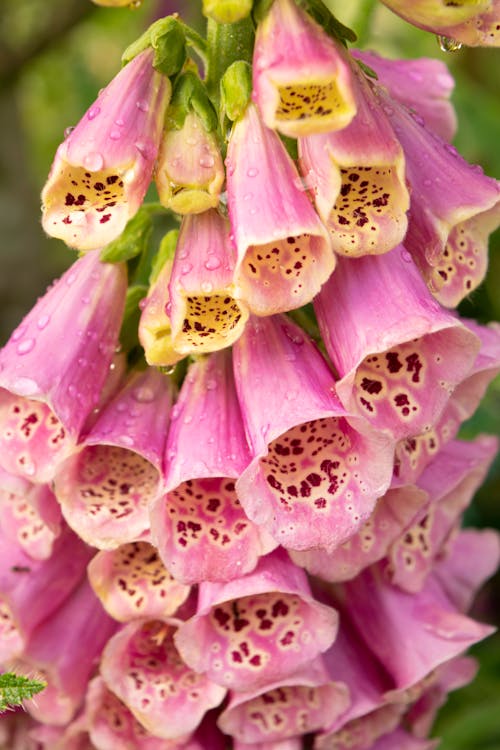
[227,42]
[195,41]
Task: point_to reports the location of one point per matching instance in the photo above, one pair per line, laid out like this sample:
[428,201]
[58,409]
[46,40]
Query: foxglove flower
[64,649]
[450,481]
[302,81]
[190,173]
[398,362]
[357,175]
[155,330]
[423,86]
[31,590]
[394,511]
[256,630]
[284,252]
[31,518]
[203,313]
[142,666]
[132,583]
[102,170]
[316,471]
[473,22]
[454,208]
[199,526]
[45,400]
[104,487]
[305,702]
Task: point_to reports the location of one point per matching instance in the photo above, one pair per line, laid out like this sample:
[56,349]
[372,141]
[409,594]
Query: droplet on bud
[448,45]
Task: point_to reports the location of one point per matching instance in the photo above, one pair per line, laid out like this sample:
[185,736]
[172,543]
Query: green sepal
[236,89]
[367,70]
[190,95]
[129,331]
[133,240]
[16,688]
[167,39]
[227,11]
[323,15]
[166,251]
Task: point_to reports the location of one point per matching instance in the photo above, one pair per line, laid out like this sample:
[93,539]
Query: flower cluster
[229,517]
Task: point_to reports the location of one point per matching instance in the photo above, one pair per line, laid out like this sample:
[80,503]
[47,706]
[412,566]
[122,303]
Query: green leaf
[14,689]
[132,241]
[128,335]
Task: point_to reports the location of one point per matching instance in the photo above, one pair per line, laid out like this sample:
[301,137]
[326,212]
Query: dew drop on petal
[186,268]
[212,263]
[143,105]
[26,346]
[93,161]
[43,321]
[207,161]
[252,172]
[143,394]
[448,45]
[206,287]
[92,113]
[115,135]
[68,131]
[25,386]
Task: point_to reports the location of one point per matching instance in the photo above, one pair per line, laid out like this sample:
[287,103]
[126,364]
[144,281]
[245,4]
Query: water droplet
[427,182]
[68,131]
[72,389]
[143,105]
[147,150]
[248,196]
[119,122]
[188,419]
[115,135]
[211,385]
[206,287]
[85,299]
[252,172]
[93,161]
[446,44]
[93,112]
[83,362]
[19,332]
[121,406]
[43,321]
[144,394]
[405,256]
[25,386]
[126,440]
[135,4]
[212,263]
[26,346]
[207,161]
[186,268]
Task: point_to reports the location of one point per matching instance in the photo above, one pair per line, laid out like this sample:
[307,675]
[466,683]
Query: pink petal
[31,519]
[362,733]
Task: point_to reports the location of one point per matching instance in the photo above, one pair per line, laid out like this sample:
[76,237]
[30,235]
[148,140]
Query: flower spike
[284,251]
[102,170]
[302,81]
[357,176]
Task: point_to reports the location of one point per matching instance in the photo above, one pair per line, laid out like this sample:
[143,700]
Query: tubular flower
[105,487]
[358,179]
[398,362]
[31,517]
[45,401]
[190,172]
[284,252]
[454,208]
[102,170]
[316,470]
[305,702]
[423,86]
[302,82]
[203,312]
[259,629]
[155,330]
[132,583]
[199,525]
[142,666]
[471,22]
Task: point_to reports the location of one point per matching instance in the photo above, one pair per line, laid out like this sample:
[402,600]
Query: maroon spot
[401,400]
[414,365]
[239,624]
[274,482]
[99,186]
[287,638]
[221,616]
[69,200]
[393,363]
[371,386]
[314,479]
[279,608]
[213,504]
[236,657]
[255,661]
[104,218]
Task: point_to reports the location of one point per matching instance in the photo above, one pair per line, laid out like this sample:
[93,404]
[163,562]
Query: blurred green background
[56,54]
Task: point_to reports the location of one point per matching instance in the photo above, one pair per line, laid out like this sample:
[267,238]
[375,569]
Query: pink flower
[102,170]
[31,517]
[284,252]
[55,364]
[302,80]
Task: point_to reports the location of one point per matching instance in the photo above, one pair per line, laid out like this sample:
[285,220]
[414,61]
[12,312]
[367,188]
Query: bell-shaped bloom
[426,626]
[142,666]
[132,582]
[316,471]
[102,170]
[472,22]
[450,481]
[423,85]
[302,81]
[393,512]
[305,702]
[54,366]
[481,550]
[413,454]
[314,477]
[190,173]
[357,176]
[199,526]
[284,252]
[155,330]
[454,208]
[31,518]
[31,590]
[64,649]
[398,362]
[104,488]
[256,630]
[203,313]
